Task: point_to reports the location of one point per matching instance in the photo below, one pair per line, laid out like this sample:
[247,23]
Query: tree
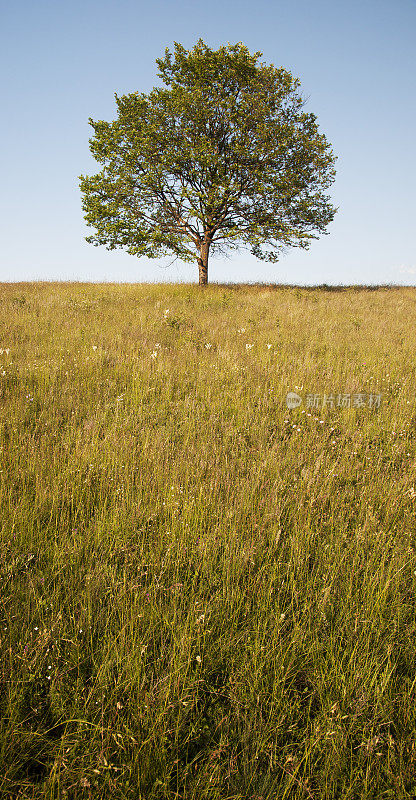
[223,158]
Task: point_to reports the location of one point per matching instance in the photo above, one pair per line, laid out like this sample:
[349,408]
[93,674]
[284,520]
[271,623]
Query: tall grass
[205,594]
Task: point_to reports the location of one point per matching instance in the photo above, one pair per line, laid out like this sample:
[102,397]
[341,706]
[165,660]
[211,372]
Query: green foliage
[223,157]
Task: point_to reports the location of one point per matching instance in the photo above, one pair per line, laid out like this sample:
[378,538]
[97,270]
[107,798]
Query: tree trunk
[203,263]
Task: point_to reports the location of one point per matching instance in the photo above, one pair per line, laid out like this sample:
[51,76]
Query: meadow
[206,595]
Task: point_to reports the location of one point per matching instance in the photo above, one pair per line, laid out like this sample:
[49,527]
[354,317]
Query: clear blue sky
[61,62]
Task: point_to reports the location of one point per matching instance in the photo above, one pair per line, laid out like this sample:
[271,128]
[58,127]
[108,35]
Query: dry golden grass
[205,594]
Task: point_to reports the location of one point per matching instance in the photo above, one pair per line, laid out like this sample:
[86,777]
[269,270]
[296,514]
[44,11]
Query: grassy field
[206,595]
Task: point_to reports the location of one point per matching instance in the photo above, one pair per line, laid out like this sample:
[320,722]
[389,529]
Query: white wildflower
[249,346]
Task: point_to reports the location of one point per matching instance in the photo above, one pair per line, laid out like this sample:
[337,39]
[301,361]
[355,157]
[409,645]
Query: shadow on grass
[324,287]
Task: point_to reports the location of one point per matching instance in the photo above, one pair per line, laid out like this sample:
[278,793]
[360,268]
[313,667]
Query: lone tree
[222,158]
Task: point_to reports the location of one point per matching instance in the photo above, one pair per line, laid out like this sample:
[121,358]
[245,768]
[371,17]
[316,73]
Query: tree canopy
[222,157]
